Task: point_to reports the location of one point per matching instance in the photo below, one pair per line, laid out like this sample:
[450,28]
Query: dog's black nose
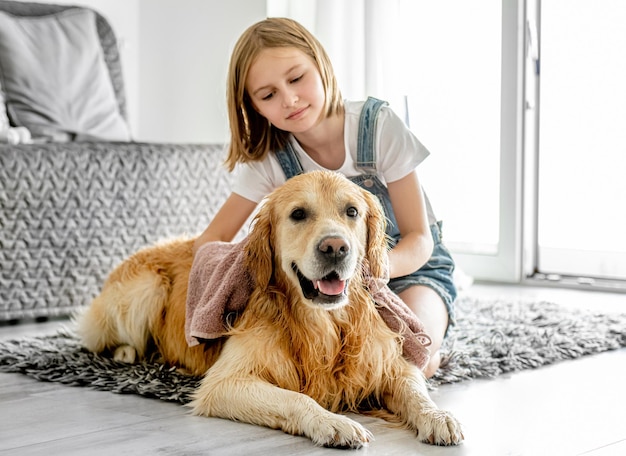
[334,247]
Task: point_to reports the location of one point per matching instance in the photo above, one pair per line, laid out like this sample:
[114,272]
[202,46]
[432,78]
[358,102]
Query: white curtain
[363,39]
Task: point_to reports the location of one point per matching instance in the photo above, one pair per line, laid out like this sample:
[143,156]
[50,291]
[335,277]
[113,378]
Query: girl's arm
[409,207]
[227,222]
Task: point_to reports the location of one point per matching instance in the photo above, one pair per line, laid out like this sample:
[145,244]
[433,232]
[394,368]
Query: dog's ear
[377,248]
[259,248]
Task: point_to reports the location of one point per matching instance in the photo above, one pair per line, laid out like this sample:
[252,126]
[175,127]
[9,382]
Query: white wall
[175,56]
[184,50]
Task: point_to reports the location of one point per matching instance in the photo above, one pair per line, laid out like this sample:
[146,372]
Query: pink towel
[400,319]
[219,285]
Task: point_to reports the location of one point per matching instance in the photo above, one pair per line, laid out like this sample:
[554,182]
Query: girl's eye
[296,79]
[298,214]
[268,96]
[352,212]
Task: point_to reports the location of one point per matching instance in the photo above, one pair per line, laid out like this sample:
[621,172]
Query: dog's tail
[120,318]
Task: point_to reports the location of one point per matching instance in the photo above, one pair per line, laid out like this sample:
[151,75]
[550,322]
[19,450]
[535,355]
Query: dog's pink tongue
[331,287]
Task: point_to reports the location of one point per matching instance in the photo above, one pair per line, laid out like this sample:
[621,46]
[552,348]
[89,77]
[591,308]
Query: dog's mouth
[330,289]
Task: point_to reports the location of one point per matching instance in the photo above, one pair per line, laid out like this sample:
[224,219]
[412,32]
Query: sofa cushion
[54,77]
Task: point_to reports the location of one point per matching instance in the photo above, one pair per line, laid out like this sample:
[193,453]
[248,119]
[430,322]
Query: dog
[310,344]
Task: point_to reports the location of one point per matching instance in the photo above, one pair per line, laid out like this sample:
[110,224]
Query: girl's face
[286,88]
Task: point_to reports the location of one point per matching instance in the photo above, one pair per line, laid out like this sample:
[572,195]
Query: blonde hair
[252,136]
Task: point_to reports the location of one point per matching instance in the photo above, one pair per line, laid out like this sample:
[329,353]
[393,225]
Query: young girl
[287,116]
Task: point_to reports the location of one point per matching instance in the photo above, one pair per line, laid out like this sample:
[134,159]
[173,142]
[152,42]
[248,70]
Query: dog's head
[315,231]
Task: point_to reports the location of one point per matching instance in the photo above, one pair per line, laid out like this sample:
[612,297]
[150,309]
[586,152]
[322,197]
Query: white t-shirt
[398,152]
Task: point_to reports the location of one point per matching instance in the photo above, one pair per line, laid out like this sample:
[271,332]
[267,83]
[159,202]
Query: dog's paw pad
[125,354]
[439,427]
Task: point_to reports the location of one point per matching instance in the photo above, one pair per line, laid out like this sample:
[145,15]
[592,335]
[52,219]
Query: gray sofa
[70,211]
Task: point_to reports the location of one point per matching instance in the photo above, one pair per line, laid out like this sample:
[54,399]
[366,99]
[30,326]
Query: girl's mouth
[297,114]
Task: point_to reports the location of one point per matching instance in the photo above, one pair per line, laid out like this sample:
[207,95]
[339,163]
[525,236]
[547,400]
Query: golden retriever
[310,344]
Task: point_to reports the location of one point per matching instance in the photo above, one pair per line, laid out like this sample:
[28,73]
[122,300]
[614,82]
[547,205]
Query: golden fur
[296,356]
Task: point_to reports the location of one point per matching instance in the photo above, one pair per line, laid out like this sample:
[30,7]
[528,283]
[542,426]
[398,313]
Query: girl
[287,116]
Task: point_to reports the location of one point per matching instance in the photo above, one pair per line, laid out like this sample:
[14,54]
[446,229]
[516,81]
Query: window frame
[532,272]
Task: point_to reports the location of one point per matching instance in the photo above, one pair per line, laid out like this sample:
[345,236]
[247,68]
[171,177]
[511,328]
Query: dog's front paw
[338,431]
[439,427]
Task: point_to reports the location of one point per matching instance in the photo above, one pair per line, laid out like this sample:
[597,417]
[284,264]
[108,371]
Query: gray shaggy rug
[491,337]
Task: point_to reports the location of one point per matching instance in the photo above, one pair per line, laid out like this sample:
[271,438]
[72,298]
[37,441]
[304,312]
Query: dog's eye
[298,214]
[352,212]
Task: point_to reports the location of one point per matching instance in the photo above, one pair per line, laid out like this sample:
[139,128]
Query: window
[582,140]
[464,105]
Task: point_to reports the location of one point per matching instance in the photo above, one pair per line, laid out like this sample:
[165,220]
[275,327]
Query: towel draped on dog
[220,285]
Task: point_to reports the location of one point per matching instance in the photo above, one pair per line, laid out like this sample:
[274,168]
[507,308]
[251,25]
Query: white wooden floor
[572,408]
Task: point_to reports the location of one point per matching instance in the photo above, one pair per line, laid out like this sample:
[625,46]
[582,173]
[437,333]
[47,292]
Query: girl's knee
[433,364]
[430,309]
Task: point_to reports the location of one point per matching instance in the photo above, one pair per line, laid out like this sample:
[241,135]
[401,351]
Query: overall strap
[289,162]
[366,152]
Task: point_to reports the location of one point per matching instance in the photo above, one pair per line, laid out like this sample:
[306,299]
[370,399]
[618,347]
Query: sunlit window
[582,147]
[453,58]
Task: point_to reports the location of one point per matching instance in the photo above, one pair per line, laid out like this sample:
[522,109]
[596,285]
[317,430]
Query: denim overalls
[437,272]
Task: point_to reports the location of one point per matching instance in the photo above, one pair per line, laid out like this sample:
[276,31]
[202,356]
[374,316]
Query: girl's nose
[290,99]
